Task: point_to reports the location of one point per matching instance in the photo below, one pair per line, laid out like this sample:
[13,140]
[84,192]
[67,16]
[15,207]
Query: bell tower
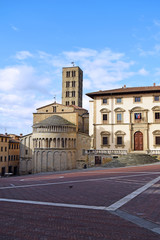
[72,86]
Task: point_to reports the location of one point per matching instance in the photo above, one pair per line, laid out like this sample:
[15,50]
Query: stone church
[60,131]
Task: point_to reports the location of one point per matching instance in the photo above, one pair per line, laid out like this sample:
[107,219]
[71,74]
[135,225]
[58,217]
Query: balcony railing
[105,152]
[153,152]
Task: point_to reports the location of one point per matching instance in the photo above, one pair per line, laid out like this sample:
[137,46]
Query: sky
[114,42]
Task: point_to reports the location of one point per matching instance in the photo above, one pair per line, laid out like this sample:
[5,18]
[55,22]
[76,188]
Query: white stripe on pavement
[77,181]
[52,204]
[132,195]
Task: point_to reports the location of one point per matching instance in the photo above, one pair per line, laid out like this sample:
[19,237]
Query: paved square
[93,204]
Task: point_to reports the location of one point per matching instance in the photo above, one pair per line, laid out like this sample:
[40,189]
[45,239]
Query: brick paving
[147,205]
[30,222]
[26,221]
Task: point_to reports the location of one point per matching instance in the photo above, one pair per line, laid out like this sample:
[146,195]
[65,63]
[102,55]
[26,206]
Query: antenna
[54,98]
[73,64]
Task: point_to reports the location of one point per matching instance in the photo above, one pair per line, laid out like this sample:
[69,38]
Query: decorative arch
[137,109]
[49,161]
[105,133]
[119,109]
[105,110]
[156,132]
[120,133]
[156,108]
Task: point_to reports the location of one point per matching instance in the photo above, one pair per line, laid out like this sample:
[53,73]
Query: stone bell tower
[72,86]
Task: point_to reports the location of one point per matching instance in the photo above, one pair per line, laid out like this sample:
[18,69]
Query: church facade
[59,138]
[60,133]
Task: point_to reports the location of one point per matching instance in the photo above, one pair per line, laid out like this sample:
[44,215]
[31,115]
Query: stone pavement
[96,188]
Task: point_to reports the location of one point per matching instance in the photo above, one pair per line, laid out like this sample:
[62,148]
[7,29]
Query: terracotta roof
[125,90]
[3,135]
[76,107]
[54,120]
[14,140]
[50,105]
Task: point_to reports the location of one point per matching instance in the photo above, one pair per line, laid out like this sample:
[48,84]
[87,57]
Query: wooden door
[97,160]
[138,141]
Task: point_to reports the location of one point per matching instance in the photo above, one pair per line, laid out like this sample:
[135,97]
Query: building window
[73,83]
[104,118]
[73,94]
[5,149]
[26,152]
[67,84]
[67,74]
[73,73]
[6,140]
[9,158]
[119,140]
[104,101]
[54,109]
[1,149]
[67,103]
[119,117]
[137,116]
[157,142]
[105,140]
[1,139]
[12,158]
[118,100]
[5,159]
[156,138]
[1,159]
[67,94]
[137,99]
[157,115]
[156,98]
[105,115]
[73,102]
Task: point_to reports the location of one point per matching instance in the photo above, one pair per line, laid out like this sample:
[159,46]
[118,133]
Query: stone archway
[138,141]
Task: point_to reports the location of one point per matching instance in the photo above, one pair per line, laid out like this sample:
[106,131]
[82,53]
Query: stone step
[131,160]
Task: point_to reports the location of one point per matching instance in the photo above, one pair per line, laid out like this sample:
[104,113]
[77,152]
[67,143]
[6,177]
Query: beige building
[125,120]
[59,138]
[72,86]
[9,154]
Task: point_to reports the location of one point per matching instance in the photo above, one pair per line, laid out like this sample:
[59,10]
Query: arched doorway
[138,141]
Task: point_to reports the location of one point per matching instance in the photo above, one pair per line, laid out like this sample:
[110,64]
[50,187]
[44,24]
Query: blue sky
[114,42]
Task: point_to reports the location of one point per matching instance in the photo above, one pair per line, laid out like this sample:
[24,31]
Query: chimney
[154,84]
[124,86]
[21,134]
[6,134]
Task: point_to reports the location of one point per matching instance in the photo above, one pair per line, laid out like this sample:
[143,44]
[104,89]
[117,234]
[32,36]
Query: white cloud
[25,88]
[157,22]
[143,72]
[23,55]
[154,51]
[22,77]
[21,87]
[157,73]
[14,28]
